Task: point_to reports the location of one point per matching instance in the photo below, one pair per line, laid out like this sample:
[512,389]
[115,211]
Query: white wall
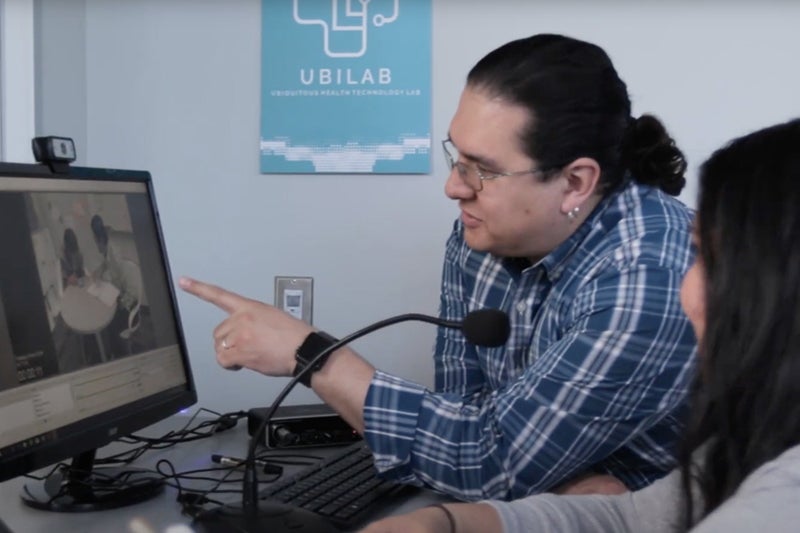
[17,107]
[60,88]
[172,86]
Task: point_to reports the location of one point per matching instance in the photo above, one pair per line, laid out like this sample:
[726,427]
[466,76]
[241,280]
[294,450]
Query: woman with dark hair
[568,224]
[740,469]
[72,271]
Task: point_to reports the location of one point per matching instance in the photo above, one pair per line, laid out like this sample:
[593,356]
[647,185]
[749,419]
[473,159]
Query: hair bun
[652,156]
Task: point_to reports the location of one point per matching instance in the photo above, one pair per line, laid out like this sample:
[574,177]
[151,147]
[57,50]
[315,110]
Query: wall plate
[295,295]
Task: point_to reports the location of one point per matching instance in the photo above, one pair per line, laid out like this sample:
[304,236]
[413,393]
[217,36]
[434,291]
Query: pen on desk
[227,461]
[267,467]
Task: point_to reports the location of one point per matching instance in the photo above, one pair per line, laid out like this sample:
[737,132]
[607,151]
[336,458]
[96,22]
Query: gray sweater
[767,500]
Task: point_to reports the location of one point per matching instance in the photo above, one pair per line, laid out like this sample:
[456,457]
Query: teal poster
[346,86]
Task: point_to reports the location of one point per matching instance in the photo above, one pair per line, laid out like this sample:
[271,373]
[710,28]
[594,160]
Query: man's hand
[422,521]
[255,335]
[466,518]
[592,484]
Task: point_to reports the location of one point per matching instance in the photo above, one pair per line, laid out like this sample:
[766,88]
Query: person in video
[740,470]
[111,270]
[72,269]
[569,224]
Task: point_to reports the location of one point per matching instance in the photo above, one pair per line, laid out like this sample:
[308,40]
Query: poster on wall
[346,86]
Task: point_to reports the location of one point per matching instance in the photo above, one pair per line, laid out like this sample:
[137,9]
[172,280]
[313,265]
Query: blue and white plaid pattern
[594,376]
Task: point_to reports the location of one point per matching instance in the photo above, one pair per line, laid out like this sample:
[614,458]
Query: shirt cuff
[391,410]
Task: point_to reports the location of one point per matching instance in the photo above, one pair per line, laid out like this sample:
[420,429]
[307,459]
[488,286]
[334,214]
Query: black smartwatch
[315,343]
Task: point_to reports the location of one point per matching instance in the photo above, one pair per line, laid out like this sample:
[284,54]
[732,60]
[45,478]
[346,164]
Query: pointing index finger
[226,300]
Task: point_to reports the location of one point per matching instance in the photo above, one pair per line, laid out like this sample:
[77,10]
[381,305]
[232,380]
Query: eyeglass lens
[468,174]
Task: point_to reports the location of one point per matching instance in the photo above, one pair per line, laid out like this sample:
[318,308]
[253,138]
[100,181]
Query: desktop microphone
[483,327]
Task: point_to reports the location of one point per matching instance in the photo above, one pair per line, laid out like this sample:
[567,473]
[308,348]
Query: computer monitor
[91,346]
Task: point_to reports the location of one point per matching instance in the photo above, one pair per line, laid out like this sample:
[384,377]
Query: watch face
[315,344]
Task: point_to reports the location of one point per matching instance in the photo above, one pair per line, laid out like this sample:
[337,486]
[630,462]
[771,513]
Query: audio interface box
[295,426]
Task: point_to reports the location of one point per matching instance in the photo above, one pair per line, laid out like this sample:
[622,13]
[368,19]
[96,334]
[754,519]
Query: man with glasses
[569,225]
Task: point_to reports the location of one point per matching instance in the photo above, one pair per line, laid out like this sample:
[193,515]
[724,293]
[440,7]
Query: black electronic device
[295,426]
[483,327]
[345,488]
[89,350]
[56,152]
[268,517]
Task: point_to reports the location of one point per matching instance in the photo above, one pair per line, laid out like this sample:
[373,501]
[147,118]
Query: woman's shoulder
[782,471]
[766,500]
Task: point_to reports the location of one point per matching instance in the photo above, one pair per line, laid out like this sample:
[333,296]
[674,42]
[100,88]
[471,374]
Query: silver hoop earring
[572,214]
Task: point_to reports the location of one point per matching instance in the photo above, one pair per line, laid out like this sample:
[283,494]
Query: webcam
[56,152]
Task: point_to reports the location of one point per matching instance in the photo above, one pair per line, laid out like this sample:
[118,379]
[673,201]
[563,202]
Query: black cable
[99,480]
[187,433]
[190,499]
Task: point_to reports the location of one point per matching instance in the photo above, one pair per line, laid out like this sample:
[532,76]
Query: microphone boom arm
[250,484]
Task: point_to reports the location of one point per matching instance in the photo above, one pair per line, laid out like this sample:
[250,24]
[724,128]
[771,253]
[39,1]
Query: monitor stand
[83,487]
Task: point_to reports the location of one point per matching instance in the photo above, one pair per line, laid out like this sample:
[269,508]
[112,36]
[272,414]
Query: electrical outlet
[295,295]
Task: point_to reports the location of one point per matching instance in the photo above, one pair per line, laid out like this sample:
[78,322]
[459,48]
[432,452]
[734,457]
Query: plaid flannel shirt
[594,376]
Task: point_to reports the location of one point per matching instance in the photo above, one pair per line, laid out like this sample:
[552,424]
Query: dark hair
[746,408]
[72,260]
[99,228]
[70,241]
[579,108]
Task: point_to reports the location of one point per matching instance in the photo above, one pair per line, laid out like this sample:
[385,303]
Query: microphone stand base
[269,516]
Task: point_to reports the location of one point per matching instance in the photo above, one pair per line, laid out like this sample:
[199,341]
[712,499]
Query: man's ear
[582,182]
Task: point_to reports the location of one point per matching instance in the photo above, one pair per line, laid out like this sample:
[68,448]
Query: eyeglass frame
[482,173]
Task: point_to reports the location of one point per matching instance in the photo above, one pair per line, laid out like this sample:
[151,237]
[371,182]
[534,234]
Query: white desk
[86,314]
[163,511]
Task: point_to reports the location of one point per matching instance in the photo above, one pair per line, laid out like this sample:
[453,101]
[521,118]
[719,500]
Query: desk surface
[163,511]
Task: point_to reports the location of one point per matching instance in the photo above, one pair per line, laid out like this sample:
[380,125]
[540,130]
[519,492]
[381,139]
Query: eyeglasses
[474,175]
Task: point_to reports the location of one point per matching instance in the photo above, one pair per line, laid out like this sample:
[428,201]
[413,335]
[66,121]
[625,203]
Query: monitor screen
[91,346]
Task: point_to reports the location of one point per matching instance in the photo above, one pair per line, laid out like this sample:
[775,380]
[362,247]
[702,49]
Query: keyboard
[345,489]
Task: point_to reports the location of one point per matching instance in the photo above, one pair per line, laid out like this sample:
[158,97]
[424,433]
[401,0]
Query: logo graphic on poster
[346,86]
[378,20]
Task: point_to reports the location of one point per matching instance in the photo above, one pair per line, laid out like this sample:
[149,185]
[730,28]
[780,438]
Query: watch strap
[313,345]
